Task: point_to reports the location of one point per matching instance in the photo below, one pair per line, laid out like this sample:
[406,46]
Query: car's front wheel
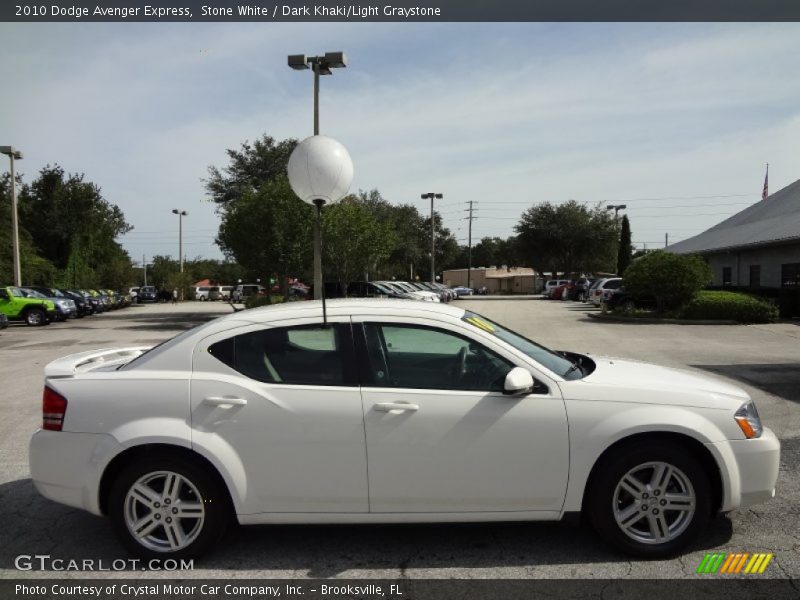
[168,507]
[35,317]
[650,500]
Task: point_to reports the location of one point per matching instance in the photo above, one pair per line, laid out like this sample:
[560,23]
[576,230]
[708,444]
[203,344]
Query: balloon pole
[318,202]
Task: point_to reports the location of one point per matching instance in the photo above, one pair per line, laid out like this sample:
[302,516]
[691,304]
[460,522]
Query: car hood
[626,380]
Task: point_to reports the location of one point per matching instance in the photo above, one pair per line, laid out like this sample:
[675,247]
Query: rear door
[281,407]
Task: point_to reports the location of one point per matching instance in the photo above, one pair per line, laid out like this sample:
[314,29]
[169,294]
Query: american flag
[765,191]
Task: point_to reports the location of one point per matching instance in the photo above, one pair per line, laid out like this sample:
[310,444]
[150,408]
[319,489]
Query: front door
[442,436]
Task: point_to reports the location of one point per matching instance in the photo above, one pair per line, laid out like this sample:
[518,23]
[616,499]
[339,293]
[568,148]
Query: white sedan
[392,412]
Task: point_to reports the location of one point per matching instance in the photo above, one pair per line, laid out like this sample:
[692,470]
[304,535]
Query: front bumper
[66,467]
[749,469]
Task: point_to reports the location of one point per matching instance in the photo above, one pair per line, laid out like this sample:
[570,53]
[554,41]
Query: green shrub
[730,306]
[256,301]
[672,279]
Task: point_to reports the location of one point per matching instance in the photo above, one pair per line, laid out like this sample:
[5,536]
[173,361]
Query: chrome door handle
[224,400]
[390,406]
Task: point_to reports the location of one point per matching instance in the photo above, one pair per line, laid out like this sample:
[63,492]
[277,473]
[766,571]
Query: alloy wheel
[164,511]
[654,503]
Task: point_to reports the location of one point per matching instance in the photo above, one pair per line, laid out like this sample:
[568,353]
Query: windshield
[31,293]
[544,356]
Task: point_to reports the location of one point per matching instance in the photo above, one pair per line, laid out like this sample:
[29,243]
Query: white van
[201,292]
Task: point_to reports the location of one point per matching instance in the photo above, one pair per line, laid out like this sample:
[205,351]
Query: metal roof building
[757,247]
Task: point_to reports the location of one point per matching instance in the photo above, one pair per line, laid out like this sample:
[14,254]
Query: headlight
[748,420]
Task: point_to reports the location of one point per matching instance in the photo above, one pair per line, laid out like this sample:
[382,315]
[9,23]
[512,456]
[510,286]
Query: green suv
[34,311]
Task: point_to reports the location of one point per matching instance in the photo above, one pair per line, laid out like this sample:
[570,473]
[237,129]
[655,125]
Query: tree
[567,238]
[249,168]
[625,253]
[36,270]
[75,228]
[354,241]
[269,231]
[672,279]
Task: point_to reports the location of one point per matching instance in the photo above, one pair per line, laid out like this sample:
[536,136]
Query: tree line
[69,233]
[265,226]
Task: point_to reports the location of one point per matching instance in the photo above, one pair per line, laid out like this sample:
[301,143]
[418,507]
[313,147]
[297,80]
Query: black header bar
[400,10]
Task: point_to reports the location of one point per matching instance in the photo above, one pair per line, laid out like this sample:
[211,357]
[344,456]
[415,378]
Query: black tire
[35,317]
[601,499]
[213,497]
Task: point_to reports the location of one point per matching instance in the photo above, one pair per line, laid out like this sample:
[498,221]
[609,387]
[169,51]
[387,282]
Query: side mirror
[518,380]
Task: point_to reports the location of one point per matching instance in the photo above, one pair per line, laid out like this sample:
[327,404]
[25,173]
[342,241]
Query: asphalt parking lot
[764,359]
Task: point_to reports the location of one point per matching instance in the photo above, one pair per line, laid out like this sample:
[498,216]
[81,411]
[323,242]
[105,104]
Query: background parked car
[133,292]
[65,307]
[561,292]
[580,289]
[84,304]
[621,300]
[146,294]
[552,284]
[3,321]
[201,292]
[225,292]
[18,307]
[462,290]
[603,289]
[244,290]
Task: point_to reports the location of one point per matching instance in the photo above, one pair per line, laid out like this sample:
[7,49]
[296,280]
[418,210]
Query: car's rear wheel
[650,500]
[168,507]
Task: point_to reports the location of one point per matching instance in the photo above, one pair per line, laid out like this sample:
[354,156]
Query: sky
[677,121]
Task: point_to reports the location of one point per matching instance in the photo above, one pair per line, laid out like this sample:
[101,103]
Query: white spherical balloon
[320,168]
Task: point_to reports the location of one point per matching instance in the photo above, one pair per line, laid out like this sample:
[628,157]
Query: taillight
[54,407]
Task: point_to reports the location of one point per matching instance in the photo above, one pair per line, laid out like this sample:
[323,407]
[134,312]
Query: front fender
[595,426]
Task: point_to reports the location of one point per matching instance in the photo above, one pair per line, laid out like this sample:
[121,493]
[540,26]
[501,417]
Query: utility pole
[666,240]
[469,253]
[144,268]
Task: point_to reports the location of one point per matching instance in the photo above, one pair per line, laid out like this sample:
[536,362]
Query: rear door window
[303,355]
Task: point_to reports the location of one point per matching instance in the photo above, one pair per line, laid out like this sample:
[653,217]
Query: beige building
[498,280]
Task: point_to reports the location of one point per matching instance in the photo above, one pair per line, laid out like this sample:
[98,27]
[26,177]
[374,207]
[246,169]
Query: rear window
[307,355]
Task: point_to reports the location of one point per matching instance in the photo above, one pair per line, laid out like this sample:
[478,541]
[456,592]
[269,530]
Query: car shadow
[779,379]
[30,524]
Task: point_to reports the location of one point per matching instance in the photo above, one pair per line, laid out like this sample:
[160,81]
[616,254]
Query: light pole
[321,65]
[181,214]
[616,208]
[432,195]
[14,155]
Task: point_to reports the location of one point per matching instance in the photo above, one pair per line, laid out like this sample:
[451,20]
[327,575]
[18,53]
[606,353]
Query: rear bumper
[67,467]
[750,469]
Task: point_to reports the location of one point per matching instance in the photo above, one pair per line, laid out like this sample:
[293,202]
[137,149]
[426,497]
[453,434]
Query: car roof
[345,306]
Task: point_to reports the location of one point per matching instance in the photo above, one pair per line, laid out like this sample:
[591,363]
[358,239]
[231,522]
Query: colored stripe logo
[735,562]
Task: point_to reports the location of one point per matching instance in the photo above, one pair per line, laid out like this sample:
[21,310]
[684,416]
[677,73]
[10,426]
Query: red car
[559,292]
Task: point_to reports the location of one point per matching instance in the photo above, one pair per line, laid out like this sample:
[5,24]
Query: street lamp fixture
[616,208]
[320,172]
[321,65]
[13,155]
[438,196]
